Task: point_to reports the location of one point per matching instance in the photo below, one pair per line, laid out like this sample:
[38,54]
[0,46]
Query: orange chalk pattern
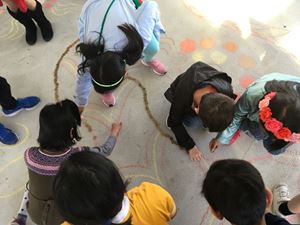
[246,62]
[246,80]
[230,46]
[188,45]
[207,43]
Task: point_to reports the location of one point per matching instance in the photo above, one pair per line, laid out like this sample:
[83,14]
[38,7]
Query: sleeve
[148,19]
[170,206]
[242,109]
[81,26]
[107,148]
[83,89]
[175,122]
[162,200]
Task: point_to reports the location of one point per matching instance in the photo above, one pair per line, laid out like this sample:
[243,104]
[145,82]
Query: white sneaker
[280,194]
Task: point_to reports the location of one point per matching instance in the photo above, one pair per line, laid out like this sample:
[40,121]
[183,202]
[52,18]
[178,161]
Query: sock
[284,210]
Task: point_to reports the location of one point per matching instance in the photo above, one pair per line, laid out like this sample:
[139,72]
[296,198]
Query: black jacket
[181,92]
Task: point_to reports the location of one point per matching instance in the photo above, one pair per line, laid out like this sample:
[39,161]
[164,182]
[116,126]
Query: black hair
[236,189]
[56,122]
[285,107]
[88,189]
[216,111]
[108,67]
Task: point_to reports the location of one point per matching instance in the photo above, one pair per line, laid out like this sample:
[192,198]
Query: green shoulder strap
[104,19]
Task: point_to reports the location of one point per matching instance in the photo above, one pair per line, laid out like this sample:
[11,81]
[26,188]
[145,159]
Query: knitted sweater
[42,169]
[48,165]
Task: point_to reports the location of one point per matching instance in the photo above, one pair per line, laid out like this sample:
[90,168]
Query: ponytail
[89,51]
[132,52]
[107,68]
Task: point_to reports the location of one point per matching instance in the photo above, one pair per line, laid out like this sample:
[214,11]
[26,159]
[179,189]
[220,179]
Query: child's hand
[195,154]
[214,144]
[115,129]
[80,108]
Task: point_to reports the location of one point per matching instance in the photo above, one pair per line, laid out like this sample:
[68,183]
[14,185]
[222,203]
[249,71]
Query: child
[25,11]
[235,191]
[103,198]
[57,135]
[282,204]
[270,110]
[200,96]
[113,34]
[11,107]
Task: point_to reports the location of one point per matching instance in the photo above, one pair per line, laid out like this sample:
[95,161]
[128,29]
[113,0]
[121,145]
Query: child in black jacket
[200,95]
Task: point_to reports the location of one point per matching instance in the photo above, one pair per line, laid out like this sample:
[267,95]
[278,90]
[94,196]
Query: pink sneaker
[156,66]
[108,99]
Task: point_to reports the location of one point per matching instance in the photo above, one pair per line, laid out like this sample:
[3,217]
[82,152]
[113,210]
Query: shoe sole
[146,64]
[109,105]
[16,112]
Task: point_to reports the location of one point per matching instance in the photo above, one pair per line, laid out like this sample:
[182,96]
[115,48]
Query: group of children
[114,34]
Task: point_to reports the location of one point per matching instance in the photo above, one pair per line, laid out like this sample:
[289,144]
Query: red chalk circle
[187,45]
[246,80]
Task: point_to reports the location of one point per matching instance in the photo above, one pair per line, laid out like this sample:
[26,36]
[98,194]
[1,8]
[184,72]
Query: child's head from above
[216,111]
[286,109]
[281,106]
[108,68]
[59,126]
[235,190]
[88,189]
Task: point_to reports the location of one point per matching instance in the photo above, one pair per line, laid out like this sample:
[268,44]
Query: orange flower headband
[272,124]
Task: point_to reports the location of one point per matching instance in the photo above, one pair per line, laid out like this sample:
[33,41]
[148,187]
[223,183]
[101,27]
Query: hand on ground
[195,154]
[80,108]
[214,144]
[115,129]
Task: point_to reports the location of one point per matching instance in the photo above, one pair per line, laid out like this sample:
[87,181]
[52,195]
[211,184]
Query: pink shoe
[108,99]
[156,66]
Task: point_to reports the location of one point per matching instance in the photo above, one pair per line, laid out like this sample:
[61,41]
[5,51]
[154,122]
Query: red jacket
[20,3]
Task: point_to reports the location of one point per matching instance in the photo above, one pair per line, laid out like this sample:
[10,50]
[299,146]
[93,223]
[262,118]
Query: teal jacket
[247,105]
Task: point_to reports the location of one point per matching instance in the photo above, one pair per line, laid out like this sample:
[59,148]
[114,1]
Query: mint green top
[247,105]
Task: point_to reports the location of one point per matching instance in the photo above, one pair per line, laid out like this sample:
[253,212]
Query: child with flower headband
[113,34]
[270,110]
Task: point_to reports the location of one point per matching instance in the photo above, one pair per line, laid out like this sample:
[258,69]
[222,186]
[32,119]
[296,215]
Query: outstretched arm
[107,148]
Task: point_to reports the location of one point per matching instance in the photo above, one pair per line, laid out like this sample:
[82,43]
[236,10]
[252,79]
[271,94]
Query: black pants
[7,101]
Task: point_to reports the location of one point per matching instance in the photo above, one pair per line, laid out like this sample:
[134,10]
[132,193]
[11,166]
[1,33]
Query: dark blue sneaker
[27,103]
[7,136]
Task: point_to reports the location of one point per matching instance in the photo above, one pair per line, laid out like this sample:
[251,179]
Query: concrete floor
[246,39]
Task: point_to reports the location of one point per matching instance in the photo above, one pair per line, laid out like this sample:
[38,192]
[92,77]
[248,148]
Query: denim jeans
[192,122]
[271,144]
